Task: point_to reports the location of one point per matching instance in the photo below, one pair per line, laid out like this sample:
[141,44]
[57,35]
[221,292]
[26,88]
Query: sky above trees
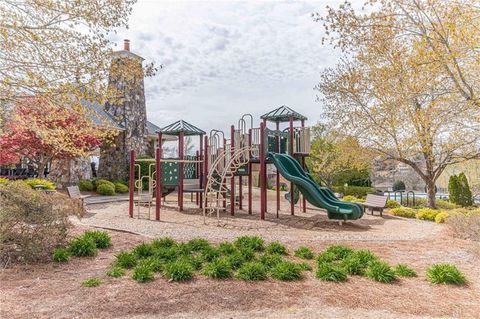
[223,59]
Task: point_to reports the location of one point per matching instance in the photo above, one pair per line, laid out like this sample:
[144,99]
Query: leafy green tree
[465,197]
[453,189]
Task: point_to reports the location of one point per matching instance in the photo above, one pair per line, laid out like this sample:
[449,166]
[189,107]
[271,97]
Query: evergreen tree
[465,196]
[453,189]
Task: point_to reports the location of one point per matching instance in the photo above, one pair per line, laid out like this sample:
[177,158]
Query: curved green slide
[315,195]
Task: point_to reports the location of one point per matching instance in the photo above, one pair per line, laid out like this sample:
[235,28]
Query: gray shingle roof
[181,126]
[283,114]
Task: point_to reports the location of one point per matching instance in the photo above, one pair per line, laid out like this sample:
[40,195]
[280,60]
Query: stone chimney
[126,45]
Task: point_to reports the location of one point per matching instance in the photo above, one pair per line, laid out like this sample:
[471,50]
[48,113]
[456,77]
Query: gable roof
[181,126]
[99,116]
[283,114]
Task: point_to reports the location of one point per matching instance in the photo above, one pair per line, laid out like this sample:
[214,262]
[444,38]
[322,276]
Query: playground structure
[216,173]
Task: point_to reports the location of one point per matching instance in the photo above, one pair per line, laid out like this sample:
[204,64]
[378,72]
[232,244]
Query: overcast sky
[224,59]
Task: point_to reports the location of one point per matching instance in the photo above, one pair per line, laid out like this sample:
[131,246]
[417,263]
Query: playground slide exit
[315,195]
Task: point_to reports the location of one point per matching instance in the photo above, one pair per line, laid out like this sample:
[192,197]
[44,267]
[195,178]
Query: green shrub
[85,185]
[195,261]
[99,182]
[270,261]
[116,272]
[142,273]
[403,212]
[121,188]
[60,255]
[392,204]
[304,252]
[227,248]
[403,270]
[83,247]
[92,282]
[381,271]
[459,190]
[143,250]
[366,256]
[444,204]
[101,238]
[155,264]
[398,186]
[180,270]
[165,242]
[339,251]
[445,274]
[237,259]
[427,214]
[38,181]
[276,248]
[357,191]
[441,217]
[287,271]
[220,268]
[354,265]
[209,253]
[331,272]
[199,244]
[250,242]
[106,189]
[304,266]
[126,260]
[252,271]
[248,254]
[352,199]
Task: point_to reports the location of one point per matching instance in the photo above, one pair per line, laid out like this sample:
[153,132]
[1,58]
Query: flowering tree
[41,132]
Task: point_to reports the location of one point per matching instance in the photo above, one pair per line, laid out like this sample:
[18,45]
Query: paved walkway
[105,199]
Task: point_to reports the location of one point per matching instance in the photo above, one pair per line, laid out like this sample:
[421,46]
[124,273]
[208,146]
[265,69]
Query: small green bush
[220,268]
[445,274]
[116,272]
[392,204]
[92,282]
[276,248]
[354,265]
[199,244]
[270,261]
[209,253]
[427,214]
[142,273]
[403,212]
[445,204]
[252,271]
[352,199]
[143,250]
[250,242]
[227,248]
[106,189]
[381,271]
[126,260]
[165,242]
[83,247]
[336,252]
[304,252]
[180,270]
[331,272]
[101,238]
[60,255]
[366,257]
[99,182]
[403,270]
[248,254]
[121,188]
[236,260]
[287,271]
[441,217]
[85,185]
[155,264]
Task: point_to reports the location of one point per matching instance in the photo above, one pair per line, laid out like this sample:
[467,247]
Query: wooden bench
[375,202]
[74,192]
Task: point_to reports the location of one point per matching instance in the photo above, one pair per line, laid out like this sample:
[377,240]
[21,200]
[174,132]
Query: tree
[407,86]
[454,189]
[465,197]
[41,132]
[48,47]
[332,155]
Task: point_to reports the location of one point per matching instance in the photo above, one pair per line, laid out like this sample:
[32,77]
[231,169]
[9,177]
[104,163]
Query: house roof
[283,114]
[152,131]
[174,129]
[99,116]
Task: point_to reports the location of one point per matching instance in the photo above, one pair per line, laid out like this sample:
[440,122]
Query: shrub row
[31,182]
[103,186]
[429,214]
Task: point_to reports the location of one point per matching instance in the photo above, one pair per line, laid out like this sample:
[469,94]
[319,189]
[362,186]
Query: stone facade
[70,171]
[130,112]
[386,172]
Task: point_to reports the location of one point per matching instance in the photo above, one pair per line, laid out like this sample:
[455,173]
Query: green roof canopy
[283,114]
[181,126]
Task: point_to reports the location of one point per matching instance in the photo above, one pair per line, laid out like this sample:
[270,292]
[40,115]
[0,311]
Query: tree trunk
[41,170]
[431,194]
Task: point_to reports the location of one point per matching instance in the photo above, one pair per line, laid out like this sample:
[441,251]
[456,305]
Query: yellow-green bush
[352,199]
[3,181]
[445,204]
[441,217]
[86,185]
[427,214]
[403,212]
[37,181]
[392,204]
[106,189]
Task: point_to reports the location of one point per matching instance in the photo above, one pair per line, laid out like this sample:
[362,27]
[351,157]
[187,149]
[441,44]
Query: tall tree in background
[332,155]
[408,84]
[58,49]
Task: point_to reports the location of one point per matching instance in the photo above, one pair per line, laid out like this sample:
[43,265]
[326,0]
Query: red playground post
[158,178]
[232,180]
[262,172]
[292,197]
[250,172]
[180,170]
[131,183]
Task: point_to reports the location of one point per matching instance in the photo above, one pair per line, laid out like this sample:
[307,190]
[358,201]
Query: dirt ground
[54,290]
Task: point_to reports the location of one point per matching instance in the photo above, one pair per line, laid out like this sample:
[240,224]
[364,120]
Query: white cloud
[223,59]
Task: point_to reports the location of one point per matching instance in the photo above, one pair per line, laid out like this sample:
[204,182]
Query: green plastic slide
[315,195]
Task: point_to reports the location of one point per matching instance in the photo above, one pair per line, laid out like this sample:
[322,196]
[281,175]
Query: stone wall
[68,172]
[386,172]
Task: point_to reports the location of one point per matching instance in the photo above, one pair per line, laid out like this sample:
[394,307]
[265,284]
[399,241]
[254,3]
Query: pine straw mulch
[54,290]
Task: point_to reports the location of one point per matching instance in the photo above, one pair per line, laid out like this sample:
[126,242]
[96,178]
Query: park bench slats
[375,202]
[74,192]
